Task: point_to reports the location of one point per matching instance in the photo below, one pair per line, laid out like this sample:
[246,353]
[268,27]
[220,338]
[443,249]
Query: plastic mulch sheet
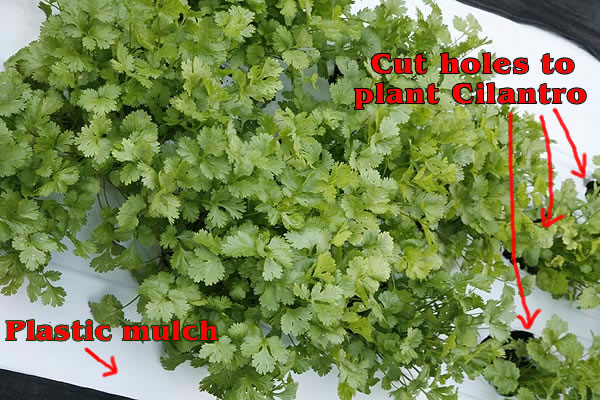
[16,386]
[577,20]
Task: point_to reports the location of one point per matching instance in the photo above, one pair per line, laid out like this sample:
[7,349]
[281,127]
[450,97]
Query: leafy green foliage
[311,234]
[109,311]
[548,367]
[503,374]
[568,265]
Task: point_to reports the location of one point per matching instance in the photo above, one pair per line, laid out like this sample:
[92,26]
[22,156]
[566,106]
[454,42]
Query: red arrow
[528,320]
[581,165]
[112,367]
[547,220]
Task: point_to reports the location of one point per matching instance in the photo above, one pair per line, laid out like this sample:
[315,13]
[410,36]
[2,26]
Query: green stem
[131,302]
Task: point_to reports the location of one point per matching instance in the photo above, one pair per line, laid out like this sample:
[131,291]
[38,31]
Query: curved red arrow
[580,164]
[547,220]
[528,320]
[112,367]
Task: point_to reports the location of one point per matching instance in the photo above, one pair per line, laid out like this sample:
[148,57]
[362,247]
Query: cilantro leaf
[109,311]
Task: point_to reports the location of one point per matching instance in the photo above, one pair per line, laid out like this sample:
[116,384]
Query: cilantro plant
[573,270]
[554,366]
[223,136]
[568,265]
